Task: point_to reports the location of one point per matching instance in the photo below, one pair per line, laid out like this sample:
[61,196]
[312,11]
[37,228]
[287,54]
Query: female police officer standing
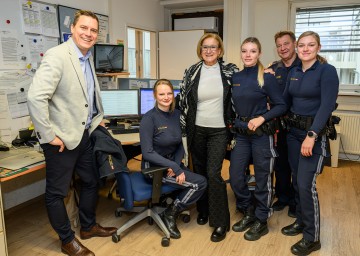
[311,92]
[254,127]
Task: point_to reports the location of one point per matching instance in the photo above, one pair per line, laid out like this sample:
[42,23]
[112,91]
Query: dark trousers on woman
[261,148]
[60,167]
[190,190]
[304,173]
[207,152]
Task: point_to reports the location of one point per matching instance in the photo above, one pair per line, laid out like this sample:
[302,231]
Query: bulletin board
[65,19]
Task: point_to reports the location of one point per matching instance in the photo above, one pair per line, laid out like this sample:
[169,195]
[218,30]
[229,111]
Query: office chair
[135,187]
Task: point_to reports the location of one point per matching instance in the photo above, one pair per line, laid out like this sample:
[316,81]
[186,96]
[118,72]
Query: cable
[347,157]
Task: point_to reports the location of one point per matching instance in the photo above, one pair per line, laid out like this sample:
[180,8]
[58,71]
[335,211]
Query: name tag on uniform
[293,79]
[162,128]
[236,84]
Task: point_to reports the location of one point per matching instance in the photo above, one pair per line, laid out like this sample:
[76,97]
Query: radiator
[349,133]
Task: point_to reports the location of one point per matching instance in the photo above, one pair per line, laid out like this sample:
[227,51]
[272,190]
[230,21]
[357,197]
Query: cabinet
[110,80]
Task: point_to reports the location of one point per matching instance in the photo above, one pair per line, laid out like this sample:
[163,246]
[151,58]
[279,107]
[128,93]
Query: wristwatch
[311,134]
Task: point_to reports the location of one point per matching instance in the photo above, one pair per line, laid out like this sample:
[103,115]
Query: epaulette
[273,63]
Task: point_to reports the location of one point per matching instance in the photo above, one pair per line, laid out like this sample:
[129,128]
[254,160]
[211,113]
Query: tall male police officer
[285,45]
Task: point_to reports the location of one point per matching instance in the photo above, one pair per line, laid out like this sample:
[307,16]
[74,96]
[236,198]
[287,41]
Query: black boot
[293,229]
[304,247]
[257,230]
[246,222]
[169,217]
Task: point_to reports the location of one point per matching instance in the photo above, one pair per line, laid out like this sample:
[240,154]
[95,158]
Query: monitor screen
[108,58]
[120,103]
[147,100]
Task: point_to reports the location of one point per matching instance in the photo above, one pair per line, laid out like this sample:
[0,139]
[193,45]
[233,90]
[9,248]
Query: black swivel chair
[135,187]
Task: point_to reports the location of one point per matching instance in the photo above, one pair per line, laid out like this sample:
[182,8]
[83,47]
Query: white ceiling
[183,4]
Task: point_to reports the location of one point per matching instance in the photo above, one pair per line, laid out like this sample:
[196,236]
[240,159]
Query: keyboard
[125,131]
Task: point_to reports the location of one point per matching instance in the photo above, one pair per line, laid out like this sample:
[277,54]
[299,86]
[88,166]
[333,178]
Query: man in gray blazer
[65,107]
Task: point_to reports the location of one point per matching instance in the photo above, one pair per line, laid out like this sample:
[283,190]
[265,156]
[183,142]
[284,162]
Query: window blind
[338,27]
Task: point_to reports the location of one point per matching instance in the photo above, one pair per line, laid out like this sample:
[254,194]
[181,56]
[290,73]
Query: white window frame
[294,4]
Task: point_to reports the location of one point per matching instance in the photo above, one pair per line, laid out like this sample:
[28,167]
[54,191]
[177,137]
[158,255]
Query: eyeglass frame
[212,48]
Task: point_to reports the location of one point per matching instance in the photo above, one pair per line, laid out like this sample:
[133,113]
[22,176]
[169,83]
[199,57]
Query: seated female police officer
[254,127]
[161,145]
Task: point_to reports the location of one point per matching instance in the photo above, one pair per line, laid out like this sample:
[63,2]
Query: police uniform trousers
[60,167]
[190,191]
[304,173]
[208,150]
[263,153]
[284,189]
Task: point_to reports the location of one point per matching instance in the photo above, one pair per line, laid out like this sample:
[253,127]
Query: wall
[141,14]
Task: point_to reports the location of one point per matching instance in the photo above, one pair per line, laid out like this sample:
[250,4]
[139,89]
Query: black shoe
[219,234]
[304,247]
[202,219]
[278,206]
[257,230]
[293,229]
[292,211]
[169,217]
[245,223]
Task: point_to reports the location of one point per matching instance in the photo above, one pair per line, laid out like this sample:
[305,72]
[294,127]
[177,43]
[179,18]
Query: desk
[126,139]
[6,175]
[114,76]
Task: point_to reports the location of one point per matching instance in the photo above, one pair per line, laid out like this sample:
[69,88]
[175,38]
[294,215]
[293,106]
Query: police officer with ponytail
[311,93]
[254,128]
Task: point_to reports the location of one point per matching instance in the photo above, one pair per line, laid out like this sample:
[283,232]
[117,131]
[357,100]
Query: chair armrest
[154,170]
[157,174]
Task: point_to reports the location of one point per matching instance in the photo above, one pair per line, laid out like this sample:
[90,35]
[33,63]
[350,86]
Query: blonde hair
[206,36]
[260,76]
[316,36]
[168,83]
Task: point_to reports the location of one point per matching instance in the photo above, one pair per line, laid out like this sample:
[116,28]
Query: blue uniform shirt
[160,139]
[281,71]
[250,100]
[313,93]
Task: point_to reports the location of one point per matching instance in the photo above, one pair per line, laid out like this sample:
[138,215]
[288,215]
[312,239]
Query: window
[339,30]
[141,53]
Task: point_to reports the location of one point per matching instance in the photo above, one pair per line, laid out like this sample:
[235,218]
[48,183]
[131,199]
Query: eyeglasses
[212,48]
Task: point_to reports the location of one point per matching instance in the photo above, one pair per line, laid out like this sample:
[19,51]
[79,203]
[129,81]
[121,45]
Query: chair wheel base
[165,242]
[115,238]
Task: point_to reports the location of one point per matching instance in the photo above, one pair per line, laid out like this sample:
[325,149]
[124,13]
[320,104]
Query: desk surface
[6,174]
[112,74]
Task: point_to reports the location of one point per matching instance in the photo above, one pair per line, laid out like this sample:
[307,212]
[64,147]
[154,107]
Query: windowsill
[349,92]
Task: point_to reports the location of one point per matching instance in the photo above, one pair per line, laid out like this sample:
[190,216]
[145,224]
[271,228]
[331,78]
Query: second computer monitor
[120,103]
[147,100]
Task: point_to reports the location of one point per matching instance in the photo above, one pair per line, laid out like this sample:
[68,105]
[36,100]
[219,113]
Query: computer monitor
[147,100]
[108,58]
[120,104]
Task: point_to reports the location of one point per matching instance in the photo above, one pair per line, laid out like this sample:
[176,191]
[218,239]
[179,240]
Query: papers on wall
[14,113]
[39,18]
[12,52]
[103,28]
[31,17]
[49,23]
[37,46]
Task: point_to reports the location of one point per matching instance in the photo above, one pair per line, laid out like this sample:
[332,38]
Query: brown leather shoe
[75,248]
[97,230]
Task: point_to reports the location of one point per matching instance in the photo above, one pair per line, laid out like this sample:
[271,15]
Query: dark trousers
[261,148]
[304,173]
[283,185]
[60,167]
[190,191]
[207,152]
